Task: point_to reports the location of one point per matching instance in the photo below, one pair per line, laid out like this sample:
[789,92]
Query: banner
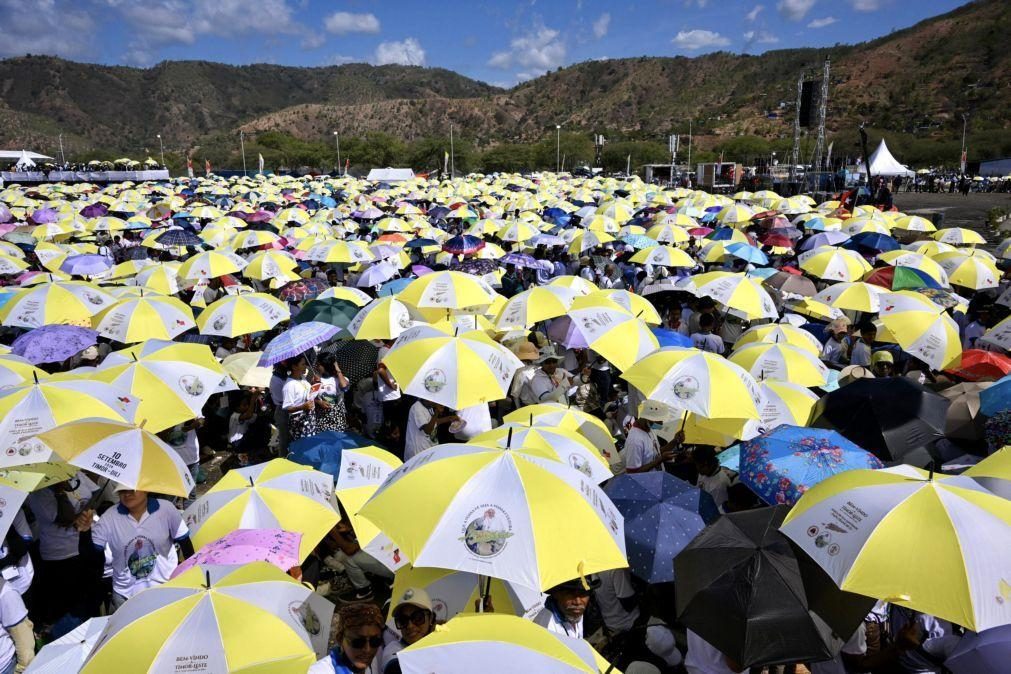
[445,162]
[962,162]
[261,163]
[207,167]
[189,167]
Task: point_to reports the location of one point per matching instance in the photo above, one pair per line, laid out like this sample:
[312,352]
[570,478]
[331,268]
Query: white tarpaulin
[884,164]
[24,162]
[390,175]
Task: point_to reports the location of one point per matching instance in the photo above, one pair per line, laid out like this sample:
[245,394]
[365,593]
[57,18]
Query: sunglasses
[359,642]
[417,619]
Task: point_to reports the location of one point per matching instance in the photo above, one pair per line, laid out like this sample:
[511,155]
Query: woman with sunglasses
[414,619]
[359,638]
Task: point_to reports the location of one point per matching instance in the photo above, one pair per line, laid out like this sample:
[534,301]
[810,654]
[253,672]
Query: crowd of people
[673,263]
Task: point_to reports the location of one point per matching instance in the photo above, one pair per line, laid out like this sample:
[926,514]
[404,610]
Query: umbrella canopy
[69,652]
[277,494]
[894,418]
[495,643]
[986,652]
[782,464]
[455,371]
[55,302]
[977,364]
[447,290]
[933,543]
[296,340]
[508,515]
[746,590]
[242,546]
[566,446]
[226,619]
[383,318]
[456,592]
[782,362]
[922,328]
[122,452]
[781,333]
[734,291]
[569,418]
[598,323]
[243,368]
[139,318]
[536,304]
[53,343]
[332,311]
[662,516]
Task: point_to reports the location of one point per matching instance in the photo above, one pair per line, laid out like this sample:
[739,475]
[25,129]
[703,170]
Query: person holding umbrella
[643,452]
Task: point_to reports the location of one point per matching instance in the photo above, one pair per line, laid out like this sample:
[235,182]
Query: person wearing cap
[586,269]
[141,532]
[834,350]
[643,451]
[414,618]
[548,382]
[883,364]
[528,354]
[565,606]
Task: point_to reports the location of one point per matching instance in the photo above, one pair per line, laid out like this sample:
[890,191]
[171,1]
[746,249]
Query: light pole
[242,143]
[63,160]
[161,149]
[337,139]
[961,157]
[558,148]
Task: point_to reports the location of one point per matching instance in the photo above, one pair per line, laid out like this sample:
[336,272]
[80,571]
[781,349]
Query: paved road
[969,211]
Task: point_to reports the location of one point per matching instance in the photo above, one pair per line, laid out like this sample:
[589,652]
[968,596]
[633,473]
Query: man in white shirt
[423,421]
[565,606]
[548,383]
[141,533]
[17,642]
[642,451]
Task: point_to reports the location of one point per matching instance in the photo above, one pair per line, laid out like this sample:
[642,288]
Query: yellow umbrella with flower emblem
[922,329]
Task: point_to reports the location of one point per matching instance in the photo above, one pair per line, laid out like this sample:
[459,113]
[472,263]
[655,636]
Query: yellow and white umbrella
[577,283]
[343,252]
[663,256]
[278,494]
[587,240]
[853,295]
[139,318]
[781,333]
[696,381]
[70,302]
[455,371]
[739,292]
[161,278]
[121,452]
[508,515]
[495,643]
[11,265]
[834,264]
[253,238]
[518,232]
[15,370]
[958,236]
[975,272]
[211,264]
[534,305]
[354,295]
[268,264]
[383,318]
[221,619]
[557,415]
[672,234]
[934,543]
[363,469]
[915,223]
[922,329]
[448,290]
[242,314]
[558,444]
[781,362]
[455,592]
[630,302]
[614,333]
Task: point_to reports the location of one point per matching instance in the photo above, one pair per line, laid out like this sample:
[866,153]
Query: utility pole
[690,147]
[822,110]
[795,155]
[558,148]
[242,144]
[452,155]
[962,157]
[161,149]
[337,139]
[63,159]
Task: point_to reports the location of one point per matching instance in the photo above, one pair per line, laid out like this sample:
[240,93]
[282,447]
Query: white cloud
[231,17]
[753,14]
[313,40]
[340,60]
[342,23]
[44,27]
[406,52]
[866,5]
[822,22]
[701,4]
[794,10]
[601,25]
[760,37]
[695,39]
[536,53]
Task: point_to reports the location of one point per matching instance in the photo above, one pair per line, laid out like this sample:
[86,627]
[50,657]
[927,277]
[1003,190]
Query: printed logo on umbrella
[486,534]
[686,387]
[434,381]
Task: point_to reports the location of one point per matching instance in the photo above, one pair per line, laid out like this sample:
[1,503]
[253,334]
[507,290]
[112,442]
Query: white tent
[390,175]
[24,162]
[884,164]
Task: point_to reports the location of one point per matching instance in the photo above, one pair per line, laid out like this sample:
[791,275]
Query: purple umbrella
[564,331]
[988,652]
[5,213]
[296,340]
[259,216]
[421,270]
[829,238]
[44,215]
[94,210]
[53,343]
[243,546]
[88,264]
[376,275]
[520,260]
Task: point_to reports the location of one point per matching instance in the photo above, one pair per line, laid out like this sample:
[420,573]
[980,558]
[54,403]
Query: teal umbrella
[331,310]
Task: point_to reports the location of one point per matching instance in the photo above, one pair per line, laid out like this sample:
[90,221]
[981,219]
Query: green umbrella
[330,310]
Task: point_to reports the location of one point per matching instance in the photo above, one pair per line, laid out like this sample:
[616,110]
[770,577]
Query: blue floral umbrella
[662,516]
[781,464]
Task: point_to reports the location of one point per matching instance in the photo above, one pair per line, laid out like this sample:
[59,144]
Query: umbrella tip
[36,376]
[509,439]
[207,577]
[251,481]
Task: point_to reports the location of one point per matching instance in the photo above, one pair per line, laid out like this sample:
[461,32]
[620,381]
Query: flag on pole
[207,167]
[189,166]
[962,162]
[445,162]
[261,163]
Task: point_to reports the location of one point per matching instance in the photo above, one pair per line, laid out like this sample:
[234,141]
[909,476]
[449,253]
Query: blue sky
[498,42]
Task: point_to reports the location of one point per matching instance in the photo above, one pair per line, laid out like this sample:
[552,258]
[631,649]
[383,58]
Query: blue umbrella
[829,238]
[996,398]
[53,343]
[662,516]
[465,244]
[721,234]
[88,264]
[297,339]
[639,241]
[520,260]
[671,337]
[781,464]
[421,243]
[393,287]
[987,652]
[747,252]
[323,450]
[731,458]
[762,272]
[178,237]
[873,241]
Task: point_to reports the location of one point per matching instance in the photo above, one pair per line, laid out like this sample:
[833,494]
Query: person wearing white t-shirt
[643,451]
[565,606]
[15,562]
[61,573]
[141,532]
[17,642]
[705,339]
[423,421]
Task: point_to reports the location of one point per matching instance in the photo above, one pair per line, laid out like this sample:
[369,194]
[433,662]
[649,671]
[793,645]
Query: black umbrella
[746,589]
[357,358]
[894,418]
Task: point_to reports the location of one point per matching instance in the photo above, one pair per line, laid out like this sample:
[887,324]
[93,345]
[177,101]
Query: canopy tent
[390,175]
[16,155]
[884,164]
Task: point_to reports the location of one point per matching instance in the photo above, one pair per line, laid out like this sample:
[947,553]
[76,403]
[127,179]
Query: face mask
[655,425]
